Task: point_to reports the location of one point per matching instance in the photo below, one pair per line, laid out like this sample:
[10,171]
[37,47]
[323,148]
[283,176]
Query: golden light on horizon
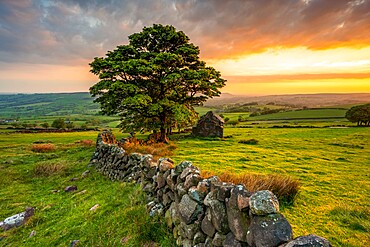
[299,60]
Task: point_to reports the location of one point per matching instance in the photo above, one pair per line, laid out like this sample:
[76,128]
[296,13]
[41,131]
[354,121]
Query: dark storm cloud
[72,31]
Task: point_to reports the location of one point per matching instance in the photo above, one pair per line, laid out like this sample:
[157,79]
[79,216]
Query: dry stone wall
[200,211]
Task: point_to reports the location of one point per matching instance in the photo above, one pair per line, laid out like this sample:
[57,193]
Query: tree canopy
[359,114]
[155,81]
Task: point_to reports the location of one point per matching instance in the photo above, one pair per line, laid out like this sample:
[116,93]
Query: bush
[47,169]
[249,141]
[284,187]
[43,148]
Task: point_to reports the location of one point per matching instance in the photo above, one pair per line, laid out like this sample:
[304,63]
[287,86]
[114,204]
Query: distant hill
[295,100]
[46,104]
[63,104]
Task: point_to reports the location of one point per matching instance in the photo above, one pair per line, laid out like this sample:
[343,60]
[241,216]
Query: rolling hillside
[50,104]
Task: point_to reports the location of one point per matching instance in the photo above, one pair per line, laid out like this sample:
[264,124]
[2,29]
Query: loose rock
[70,188]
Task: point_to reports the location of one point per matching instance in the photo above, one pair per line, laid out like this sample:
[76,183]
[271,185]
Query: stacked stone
[201,211]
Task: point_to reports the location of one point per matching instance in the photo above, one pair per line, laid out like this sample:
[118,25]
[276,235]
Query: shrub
[249,141]
[43,148]
[284,187]
[48,169]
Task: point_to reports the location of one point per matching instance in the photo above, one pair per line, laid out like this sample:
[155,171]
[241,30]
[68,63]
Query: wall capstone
[200,211]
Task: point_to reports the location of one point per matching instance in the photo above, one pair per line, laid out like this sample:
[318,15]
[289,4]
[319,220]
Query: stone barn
[211,125]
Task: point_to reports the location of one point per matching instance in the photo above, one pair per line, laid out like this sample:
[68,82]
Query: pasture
[38,179]
[332,165]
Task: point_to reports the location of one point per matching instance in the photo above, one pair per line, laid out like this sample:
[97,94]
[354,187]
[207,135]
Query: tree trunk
[163,137]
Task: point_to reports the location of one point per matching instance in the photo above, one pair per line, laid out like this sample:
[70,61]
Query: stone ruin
[201,211]
[209,125]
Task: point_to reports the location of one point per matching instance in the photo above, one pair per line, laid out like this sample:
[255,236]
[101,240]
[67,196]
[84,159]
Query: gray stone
[165,164]
[85,173]
[230,241]
[188,231]
[74,243]
[17,219]
[218,239]
[218,213]
[181,190]
[199,238]
[161,181]
[221,190]
[192,180]
[156,210]
[263,202]
[238,220]
[187,171]
[181,167]
[208,242]
[269,230]
[70,188]
[189,209]
[207,226]
[309,241]
[196,195]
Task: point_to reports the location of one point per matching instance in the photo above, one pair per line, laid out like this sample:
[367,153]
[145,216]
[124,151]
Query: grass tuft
[48,169]
[156,149]
[86,143]
[284,187]
[43,148]
[249,141]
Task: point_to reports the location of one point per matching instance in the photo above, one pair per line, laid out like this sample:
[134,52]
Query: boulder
[309,240]
[17,219]
[263,202]
[269,230]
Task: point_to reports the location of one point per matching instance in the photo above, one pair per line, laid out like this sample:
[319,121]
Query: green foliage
[45,125]
[155,81]
[59,123]
[359,114]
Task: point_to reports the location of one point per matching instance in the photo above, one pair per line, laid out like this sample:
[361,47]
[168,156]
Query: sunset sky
[260,46]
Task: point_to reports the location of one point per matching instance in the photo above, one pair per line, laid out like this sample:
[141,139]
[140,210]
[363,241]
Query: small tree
[58,123]
[155,81]
[359,114]
[45,125]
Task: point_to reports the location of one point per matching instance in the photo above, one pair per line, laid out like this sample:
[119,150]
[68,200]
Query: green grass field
[333,166]
[63,217]
[323,113]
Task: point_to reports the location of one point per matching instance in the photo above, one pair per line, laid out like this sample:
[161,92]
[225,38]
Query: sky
[261,47]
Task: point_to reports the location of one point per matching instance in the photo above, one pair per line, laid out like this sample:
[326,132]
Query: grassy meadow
[332,165]
[28,179]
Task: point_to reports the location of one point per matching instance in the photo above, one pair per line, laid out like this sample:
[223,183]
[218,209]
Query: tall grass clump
[48,169]
[156,149]
[284,187]
[43,148]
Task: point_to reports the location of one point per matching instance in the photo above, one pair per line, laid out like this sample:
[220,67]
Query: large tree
[155,81]
[359,114]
